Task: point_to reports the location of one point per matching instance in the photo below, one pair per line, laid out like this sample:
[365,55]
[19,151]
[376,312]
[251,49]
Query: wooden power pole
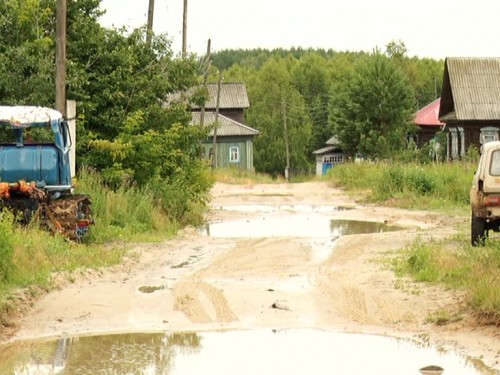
[184,29]
[61,57]
[149,29]
[206,68]
[287,150]
[216,124]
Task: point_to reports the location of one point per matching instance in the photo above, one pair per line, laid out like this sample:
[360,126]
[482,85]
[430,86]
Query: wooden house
[470,103]
[427,120]
[234,141]
[328,156]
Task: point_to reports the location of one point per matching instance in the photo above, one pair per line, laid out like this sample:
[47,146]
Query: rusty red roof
[429,115]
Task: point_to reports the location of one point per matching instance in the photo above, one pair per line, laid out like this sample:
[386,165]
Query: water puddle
[284,207]
[150,289]
[340,228]
[314,226]
[261,352]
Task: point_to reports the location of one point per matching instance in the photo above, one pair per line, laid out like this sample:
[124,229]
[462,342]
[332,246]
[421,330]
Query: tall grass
[241,176]
[126,214]
[423,186]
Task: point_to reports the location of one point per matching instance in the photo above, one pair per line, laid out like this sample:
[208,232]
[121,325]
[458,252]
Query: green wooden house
[234,139]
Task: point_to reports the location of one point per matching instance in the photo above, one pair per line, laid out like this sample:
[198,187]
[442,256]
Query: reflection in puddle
[344,227]
[237,352]
[284,207]
[299,225]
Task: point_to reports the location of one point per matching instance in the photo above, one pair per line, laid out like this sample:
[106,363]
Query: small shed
[234,141]
[427,120]
[328,156]
[470,103]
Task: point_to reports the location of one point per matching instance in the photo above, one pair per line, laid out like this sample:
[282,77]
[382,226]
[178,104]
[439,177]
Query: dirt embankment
[197,282]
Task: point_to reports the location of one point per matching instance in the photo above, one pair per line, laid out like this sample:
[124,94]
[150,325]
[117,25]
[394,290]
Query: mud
[212,283]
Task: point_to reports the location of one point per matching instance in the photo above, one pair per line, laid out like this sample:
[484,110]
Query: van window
[495,163]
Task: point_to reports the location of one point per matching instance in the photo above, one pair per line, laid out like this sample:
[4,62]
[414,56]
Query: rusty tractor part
[68,215]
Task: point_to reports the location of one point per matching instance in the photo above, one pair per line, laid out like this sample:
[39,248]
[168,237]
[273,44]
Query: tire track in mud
[354,292]
[202,303]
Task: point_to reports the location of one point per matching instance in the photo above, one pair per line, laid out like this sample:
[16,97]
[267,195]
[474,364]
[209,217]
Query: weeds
[456,264]
[429,186]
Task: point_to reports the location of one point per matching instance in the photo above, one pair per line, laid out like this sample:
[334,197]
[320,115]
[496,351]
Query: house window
[488,134]
[454,144]
[234,154]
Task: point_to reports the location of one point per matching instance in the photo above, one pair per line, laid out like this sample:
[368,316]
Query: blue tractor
[35,171]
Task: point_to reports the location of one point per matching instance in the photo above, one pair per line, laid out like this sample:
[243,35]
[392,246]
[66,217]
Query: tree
[371,113]
[310,78]
[273,99]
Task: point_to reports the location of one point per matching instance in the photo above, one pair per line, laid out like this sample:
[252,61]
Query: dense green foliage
[120,85]
[366,100]
[372,109]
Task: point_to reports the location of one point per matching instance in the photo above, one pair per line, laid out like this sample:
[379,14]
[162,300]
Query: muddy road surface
[271,256]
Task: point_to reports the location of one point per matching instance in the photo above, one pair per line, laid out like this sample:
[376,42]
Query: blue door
[326,168]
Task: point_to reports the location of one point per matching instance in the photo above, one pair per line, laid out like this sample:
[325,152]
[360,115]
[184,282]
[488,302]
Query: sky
[428,28]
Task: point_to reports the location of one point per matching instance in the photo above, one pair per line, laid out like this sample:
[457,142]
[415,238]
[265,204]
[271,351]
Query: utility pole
[206,67]
[184,29]
[149,29]
[216,124]
[287,168]
[61,57]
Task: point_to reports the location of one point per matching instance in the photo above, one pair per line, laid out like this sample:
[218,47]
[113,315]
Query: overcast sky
[429,28]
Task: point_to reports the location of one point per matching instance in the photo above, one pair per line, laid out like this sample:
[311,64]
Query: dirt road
[241,280]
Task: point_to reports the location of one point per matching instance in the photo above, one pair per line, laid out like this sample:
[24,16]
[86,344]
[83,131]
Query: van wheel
[478,231]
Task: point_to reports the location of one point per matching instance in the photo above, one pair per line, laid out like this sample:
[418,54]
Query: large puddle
[294,225]
[269,352]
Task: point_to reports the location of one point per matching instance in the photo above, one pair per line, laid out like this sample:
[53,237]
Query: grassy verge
[456,264]
[440,187]
[429,186]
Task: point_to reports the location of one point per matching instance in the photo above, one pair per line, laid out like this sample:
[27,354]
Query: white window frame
[234,151]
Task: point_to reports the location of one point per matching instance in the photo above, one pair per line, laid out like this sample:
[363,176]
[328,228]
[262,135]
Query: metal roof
[326,150]
[226,126]
[232,95]
[471,89]
[429,115]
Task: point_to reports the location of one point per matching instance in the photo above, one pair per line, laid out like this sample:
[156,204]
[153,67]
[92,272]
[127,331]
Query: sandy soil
[198,283]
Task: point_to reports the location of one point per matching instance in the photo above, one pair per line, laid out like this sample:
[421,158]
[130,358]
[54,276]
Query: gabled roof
[226,126]
[232,95]
[471,89]
[429,115]
[333,144]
